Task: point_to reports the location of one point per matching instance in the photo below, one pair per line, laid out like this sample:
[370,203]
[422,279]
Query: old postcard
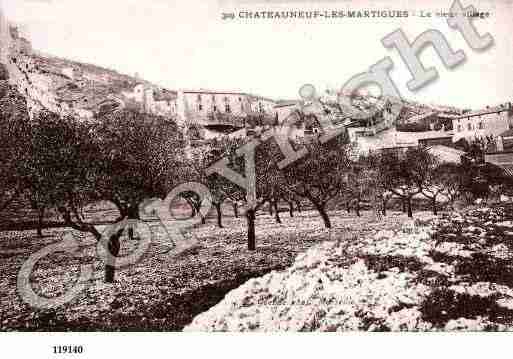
[253,166]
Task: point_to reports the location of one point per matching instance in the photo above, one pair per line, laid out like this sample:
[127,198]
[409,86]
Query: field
[450,272]
[161,292]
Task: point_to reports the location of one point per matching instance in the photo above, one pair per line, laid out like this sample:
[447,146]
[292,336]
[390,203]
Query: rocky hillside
[84,90]
[61,85]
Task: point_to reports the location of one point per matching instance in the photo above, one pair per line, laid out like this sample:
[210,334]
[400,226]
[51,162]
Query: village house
[153,100]
[198,104]
[492,121]
[221,112]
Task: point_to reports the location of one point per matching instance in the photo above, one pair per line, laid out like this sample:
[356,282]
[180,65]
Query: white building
[483,123]
[154,100]
[217,109]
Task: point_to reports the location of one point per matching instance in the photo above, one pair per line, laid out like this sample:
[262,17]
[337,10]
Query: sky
[187,44]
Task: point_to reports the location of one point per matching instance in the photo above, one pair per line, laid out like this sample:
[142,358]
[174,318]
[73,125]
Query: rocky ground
[161,292]
[448,273]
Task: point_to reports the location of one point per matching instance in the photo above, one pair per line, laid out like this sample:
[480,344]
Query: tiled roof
[421,116]
[286,104]
[487,111]
[227,92]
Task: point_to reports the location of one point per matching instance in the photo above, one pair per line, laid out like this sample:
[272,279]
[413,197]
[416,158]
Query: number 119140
[68,349]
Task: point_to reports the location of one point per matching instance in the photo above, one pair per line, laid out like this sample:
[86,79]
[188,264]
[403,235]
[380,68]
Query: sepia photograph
[254,166]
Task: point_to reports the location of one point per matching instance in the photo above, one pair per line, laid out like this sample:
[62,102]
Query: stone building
[200,103]
[153,100]
[284,109]
[221,112]
[491,121]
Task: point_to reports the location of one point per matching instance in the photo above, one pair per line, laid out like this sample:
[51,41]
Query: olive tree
[14,134]
[321,174]
[406,173]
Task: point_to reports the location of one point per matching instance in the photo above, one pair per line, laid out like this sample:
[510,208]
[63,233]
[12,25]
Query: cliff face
[69,87]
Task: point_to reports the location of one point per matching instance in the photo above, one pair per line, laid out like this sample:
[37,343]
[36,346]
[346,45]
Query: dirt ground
[161,292]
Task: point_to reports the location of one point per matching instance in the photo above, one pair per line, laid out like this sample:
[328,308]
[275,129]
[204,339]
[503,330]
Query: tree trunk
[298,206]
[270,209]
[236,209]
[113,248]
[404,205]
[219,215]
[291,209]
[348,207]
[324,215]
[384,209]
[358,207]
[433,202]
[408,204]
[277,213]
[250,216]
[40,224]
[132,214]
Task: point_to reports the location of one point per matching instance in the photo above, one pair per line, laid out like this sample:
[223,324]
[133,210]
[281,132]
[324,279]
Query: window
[459,128]
[481,125]
[469,126]
[200,105]
[215,108]
[227,107]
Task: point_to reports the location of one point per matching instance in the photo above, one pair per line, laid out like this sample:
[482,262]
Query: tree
[359,184]
[476,176]
[14,134]
[320,175]
[405,173]
[124,157]
[366,180]
[220,187]
[434,184]
[450,175]
[444,180]
[141,157]
[269,182]
[61,168]
[236,159]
